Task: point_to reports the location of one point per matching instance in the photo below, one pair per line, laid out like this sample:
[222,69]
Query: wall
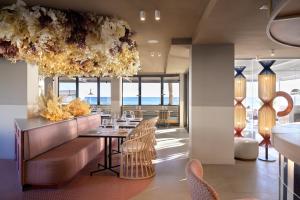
[211,103]
[18,96]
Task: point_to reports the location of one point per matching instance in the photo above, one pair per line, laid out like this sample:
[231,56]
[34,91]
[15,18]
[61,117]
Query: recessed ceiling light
[142,15]
[157,15]
[264,7]
[152,41]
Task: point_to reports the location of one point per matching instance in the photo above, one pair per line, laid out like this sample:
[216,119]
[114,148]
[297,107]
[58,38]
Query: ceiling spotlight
[272,53]
[152,54]
[142,15]
[264,7]
[157,15]
[152,41]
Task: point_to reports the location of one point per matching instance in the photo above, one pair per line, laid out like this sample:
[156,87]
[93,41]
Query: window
[67,89]
[95,91]
[131,91]
[171,90]
[105,91]
[151,91]
[88,90]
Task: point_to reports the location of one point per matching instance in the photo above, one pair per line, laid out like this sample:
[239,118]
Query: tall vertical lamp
[266,114]
[239,96]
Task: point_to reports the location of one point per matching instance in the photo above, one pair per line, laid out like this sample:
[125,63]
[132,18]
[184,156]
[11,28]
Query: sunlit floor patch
[164,143]
[170,130]
[175,156]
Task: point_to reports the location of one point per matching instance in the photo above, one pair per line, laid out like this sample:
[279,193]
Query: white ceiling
[206,21]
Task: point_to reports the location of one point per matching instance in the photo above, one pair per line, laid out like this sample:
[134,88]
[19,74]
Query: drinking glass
[104,123]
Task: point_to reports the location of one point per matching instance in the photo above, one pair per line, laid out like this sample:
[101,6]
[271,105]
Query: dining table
[131,120]
[122,124]
[108,134]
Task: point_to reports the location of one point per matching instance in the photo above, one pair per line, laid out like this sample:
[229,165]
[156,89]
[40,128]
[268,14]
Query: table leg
[105,152]
[105,159]
[109,153]
[118,145]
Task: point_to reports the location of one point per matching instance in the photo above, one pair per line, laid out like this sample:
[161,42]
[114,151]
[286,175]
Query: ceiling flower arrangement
[67,43]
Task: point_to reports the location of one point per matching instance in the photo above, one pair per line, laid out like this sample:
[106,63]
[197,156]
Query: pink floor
[104,185]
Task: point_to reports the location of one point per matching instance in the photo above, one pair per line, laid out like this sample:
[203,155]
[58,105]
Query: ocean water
[132,100]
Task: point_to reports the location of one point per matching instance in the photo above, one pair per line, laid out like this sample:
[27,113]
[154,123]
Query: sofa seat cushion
[63,162]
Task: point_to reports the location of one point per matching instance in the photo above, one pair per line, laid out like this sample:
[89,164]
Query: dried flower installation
[50,108]
[67,43]
[78,108]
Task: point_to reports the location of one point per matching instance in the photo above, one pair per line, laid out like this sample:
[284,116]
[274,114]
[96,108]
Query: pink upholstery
[53,154]
[200,190]
[62,163]
[88,122]
[40,140]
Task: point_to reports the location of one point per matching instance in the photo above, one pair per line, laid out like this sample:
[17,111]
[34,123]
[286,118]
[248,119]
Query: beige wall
[211,103]
[13,83]
[18,97]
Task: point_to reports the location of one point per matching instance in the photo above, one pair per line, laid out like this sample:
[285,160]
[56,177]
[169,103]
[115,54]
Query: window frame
[77,89]
[140,89]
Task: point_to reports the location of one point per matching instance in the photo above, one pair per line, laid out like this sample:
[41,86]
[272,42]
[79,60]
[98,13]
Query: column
[18,99]
[211,104]
[181,100]
[116,95]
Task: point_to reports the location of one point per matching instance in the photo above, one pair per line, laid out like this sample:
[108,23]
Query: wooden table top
[106,132]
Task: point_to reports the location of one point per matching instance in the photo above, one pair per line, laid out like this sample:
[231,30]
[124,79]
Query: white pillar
[18,99]
[181,100]
[116,95]
[211,104]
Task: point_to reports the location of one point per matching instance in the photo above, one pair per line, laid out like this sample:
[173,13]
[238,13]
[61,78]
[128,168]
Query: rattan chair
[136,160]
[143,130]
[164,116]
[199,188]
[138,113]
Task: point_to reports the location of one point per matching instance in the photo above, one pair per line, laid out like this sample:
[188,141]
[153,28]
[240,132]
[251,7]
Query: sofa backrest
[40,140]
[86,123]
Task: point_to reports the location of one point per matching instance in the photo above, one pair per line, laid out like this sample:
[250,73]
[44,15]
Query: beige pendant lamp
[266,114]
[239,96]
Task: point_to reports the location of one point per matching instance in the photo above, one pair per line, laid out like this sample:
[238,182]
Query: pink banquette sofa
[50,154]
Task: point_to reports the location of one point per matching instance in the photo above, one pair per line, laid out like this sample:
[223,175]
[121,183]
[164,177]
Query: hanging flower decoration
[67,43]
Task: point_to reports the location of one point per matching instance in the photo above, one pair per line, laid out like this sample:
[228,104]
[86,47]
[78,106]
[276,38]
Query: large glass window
[131,91]
[171,90]
[67,89]
[88,90]
[151,91]
[105,91]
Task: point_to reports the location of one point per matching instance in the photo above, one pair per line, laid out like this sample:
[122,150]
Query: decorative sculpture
[266,114]
[239,96]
